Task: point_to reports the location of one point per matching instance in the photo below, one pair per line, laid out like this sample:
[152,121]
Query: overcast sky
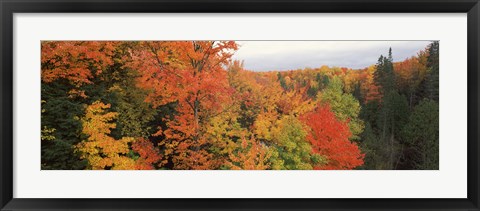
[291,55]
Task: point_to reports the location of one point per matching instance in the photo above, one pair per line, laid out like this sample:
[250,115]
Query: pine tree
[384,75]
[393,110]
[433,66]
[421,135]
[62,113]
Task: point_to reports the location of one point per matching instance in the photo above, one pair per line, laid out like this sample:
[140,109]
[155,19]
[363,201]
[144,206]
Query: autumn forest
[190,105]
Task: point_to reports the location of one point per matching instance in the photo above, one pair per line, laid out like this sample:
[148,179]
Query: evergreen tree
[393,111]
[392,116]
[433,67]
[373,149]
[421,135]
[282,81]
[62,112]
[384,75]
[357,93]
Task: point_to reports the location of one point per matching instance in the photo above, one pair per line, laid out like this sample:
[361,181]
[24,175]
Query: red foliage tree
[330,138]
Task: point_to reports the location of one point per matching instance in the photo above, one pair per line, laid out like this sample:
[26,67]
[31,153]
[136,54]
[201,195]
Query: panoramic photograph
[239,105]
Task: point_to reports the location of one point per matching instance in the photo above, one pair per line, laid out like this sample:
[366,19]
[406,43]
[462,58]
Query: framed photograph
[259,105]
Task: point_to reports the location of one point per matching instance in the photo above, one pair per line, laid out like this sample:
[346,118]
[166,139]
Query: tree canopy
[187,105]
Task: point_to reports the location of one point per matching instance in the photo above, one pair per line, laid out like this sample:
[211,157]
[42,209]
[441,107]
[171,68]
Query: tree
[224,134]
[47,132]
[329,137]
[100,150]
[345,106]
[384,75]
[374,149]
[433,67]
[282,81]
[421,134]
[247,93]
[294,102]
[76,61]
[393,111]
[292,148]
[61,112]
[189,73]
[136,114]
[251,155]
[148,154]
[393,114]
[369,88]
[409,75]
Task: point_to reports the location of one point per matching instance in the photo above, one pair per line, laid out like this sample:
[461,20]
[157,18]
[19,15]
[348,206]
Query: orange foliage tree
[370,91]
[250,156]
[75,60]
[148,154]
[410,73]
[189,74]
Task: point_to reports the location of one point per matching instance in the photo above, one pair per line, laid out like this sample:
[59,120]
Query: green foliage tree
[61,112]
[433,67]
[46,132]
[384,75]
[393,111]
[392,116]
[135,113]
[283,82]
[292,147]
[345,106]
[372,148]
[421,134]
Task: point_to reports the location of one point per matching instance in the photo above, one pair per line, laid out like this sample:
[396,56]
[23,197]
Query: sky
[292,55]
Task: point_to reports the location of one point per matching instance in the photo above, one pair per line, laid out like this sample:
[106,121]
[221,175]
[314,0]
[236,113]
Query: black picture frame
[9,7]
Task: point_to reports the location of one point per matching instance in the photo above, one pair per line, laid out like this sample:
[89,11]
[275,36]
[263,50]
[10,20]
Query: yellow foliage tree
[100,150]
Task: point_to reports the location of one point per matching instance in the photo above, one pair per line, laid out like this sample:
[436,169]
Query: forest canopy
[188,105]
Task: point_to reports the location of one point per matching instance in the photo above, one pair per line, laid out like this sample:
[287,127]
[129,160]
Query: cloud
[288,55]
